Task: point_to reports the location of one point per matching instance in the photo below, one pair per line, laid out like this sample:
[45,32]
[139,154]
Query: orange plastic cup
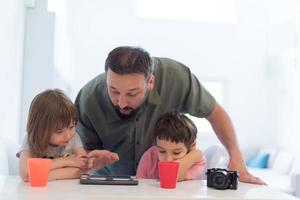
[38,171]
[168,172]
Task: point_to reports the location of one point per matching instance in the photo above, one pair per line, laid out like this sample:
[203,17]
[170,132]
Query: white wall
[12,19]
[254,57]
[249,56]
[257,59]
[38,56]
[283,67]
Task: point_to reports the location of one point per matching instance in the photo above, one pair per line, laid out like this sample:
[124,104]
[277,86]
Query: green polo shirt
[99,126]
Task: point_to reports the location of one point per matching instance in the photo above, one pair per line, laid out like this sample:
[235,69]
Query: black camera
[222,179]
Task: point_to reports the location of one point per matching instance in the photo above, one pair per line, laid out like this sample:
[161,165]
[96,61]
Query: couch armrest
[3,159]
[296,184]
[9,164]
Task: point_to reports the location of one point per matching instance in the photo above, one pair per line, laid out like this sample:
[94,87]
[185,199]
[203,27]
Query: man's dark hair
[176,127]
[128,59]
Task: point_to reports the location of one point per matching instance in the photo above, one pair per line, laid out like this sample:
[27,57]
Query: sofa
[281,169]
[9,161]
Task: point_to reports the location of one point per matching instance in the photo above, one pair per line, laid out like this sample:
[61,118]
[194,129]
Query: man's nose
[122,102]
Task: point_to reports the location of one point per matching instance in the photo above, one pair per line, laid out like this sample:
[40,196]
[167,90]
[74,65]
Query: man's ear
[151,82]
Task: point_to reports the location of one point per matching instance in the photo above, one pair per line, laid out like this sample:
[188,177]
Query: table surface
[13,188]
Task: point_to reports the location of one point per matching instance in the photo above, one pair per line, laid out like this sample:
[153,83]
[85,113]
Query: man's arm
[223,127]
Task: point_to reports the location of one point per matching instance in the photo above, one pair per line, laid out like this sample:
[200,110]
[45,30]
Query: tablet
[107,180]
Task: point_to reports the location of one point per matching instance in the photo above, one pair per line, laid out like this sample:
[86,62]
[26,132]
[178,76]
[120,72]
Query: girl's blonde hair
[49,111]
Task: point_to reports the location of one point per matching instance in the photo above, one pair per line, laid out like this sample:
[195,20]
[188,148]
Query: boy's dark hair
[128,60]
[176,127]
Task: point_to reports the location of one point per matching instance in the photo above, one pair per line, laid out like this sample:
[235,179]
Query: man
[118,109]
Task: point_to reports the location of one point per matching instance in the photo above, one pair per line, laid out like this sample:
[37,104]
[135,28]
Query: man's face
[127,92]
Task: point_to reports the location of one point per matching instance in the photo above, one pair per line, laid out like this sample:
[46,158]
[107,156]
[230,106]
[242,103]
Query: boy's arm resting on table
[197,171]
[195,155]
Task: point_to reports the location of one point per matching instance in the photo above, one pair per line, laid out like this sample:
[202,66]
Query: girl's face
[62,137]
[170,151]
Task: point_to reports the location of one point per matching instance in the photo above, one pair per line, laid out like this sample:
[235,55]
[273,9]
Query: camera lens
[221,180]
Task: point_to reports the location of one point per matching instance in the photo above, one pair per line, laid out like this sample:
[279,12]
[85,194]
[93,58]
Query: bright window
[216,88]
[215,11]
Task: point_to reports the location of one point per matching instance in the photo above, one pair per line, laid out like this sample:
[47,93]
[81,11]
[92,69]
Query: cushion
[283,162]
[3,159]
[274,180]
[259,161]
[272,155]
[216,157]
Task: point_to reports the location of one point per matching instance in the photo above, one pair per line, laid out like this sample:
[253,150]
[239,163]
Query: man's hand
[223,127]
[244,175]
[99,158]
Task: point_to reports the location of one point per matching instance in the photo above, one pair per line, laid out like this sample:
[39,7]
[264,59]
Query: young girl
[51,133]
[175,141]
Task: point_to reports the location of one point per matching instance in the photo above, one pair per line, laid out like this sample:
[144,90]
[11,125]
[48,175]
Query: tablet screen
[108,180]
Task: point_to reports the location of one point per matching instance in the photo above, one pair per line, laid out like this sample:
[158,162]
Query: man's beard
[125,116]
[133,111]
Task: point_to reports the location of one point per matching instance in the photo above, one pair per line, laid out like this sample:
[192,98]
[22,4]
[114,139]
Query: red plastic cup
[168,172]
[38,171]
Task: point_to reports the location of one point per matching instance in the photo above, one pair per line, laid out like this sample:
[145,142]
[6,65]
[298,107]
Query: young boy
[175,141]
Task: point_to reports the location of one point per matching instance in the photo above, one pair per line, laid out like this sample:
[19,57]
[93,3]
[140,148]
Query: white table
[13,188]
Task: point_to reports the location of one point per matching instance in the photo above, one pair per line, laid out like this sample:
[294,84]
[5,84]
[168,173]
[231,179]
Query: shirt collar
[154,97]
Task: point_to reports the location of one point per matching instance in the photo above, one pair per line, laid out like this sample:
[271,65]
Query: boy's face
[170,151]
[63,136]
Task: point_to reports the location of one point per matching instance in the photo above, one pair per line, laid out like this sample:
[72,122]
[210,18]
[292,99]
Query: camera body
[222,179]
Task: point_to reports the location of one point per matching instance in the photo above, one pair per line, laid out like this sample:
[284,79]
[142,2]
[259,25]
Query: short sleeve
[147,168]
[142,168]
[24,146]
[199,101]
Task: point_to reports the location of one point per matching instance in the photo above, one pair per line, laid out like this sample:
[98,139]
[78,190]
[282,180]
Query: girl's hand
[85,169]
[75,161]
[80,152]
